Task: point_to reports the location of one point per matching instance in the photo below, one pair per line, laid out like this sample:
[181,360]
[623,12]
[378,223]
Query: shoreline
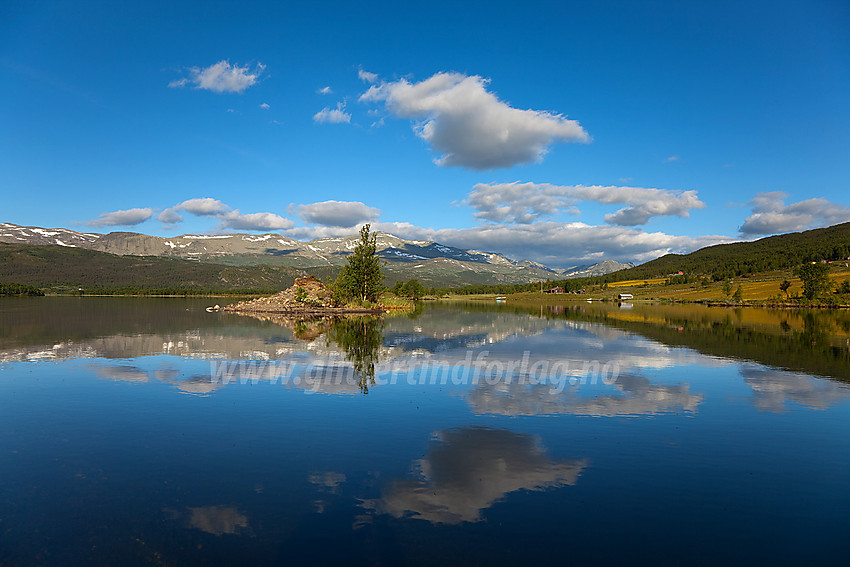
[317,312]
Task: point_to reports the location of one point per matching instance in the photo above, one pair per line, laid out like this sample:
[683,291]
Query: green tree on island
[361,277]
[815,278]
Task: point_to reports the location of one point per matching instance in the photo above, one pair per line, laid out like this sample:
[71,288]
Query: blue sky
[564,132]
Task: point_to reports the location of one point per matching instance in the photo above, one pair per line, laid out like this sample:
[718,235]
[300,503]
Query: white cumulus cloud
[325,90]
[221,77]
[525,203]
[330,115]
[338,213]
[229,219]
[556,244]
[469,126]
[170,216]
[253,221]
[203,207]
[128,217]
[772,216]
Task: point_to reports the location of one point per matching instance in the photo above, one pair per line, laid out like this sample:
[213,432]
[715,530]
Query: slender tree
[361,277]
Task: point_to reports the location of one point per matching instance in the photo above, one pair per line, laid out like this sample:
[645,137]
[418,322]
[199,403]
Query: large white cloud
[338,213]
[221,77]
[128,217]
[556,244]
[772,216]
[525,203]
[469,126]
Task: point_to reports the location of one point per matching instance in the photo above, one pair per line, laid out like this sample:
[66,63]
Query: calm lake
[138,431]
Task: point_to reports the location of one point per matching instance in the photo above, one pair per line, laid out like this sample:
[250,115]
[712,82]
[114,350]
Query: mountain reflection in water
[349,355]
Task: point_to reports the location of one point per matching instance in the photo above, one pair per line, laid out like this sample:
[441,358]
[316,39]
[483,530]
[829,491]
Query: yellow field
[627,283]
[752,290]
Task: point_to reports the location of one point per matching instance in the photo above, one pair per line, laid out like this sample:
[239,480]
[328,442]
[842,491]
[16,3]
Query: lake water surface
[139,431]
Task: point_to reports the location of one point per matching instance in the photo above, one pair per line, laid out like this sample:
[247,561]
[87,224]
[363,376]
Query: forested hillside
[67,269]
[733,260]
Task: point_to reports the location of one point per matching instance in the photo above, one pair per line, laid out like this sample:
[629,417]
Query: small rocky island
[308,297]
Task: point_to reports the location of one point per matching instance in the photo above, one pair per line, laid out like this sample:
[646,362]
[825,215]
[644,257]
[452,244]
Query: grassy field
[630,283]
[760,288]
[753,289]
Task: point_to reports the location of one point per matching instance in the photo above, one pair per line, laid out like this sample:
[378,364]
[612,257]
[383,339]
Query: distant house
[557,289]
[625,296]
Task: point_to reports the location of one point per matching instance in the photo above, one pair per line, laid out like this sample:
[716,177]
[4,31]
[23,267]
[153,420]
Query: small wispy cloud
[366,76]
[671,159]
[265,106]
[324,90]
[221,77]
[336,115]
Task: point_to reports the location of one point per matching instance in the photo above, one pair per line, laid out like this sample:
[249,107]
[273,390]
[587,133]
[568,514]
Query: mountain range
[432,263]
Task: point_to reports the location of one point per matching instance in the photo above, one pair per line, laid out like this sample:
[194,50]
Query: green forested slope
[729,260]
[63,269]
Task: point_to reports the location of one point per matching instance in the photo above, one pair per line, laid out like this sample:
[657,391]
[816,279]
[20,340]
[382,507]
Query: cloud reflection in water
[469,469]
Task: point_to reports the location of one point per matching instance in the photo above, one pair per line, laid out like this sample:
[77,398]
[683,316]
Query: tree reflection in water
[361,339]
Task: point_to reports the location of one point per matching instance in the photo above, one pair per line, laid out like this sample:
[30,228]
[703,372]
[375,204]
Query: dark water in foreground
[147,431]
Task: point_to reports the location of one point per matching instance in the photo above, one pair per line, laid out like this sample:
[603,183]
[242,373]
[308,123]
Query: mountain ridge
[431,262]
